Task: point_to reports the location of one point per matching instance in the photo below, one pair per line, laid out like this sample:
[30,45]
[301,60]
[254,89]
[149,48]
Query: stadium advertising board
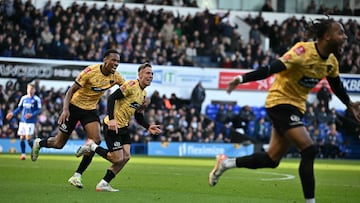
[169,76]
[351,84]
[226,77]
[193,149]
[67,71]
[13,146]
[175,149]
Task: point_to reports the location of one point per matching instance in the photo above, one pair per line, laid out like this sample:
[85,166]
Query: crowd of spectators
[313,8]
[171,113]
[293,30]
[178,3]
[180,122]
[325,127]
[84,32]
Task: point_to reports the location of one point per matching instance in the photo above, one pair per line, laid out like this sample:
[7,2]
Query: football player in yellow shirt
[80,105]
[125,102]
[296,73]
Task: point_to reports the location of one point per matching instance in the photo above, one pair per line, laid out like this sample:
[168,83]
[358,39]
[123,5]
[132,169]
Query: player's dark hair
[318,27]
[110,51]
[143,66]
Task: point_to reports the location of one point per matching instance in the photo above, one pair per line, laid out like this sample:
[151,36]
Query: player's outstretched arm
[258,74]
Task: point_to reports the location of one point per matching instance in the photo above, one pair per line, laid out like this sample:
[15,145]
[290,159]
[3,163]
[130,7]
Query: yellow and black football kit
[83,103]
[304,69]
[296,73]
[93,85]
[122,105]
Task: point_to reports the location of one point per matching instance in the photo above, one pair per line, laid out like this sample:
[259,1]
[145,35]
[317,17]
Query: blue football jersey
[27,105]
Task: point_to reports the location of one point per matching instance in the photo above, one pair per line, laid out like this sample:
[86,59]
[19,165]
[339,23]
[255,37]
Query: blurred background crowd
[182,121]
[83,32]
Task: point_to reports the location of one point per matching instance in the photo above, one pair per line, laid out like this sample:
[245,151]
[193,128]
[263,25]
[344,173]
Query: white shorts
[26,128]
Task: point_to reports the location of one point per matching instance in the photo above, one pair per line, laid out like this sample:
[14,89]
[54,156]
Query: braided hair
[317,28]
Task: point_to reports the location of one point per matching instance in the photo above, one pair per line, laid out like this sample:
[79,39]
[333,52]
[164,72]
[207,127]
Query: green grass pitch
[171,180]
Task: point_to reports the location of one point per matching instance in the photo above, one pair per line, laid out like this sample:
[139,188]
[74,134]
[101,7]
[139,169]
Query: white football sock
[102,181]
[93,147]
[310,200]
[230,163]
[77,174]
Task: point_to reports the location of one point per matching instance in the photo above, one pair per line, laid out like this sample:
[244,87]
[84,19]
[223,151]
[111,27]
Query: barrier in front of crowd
[167,79]
[176,149]
[193,149]
[13,146]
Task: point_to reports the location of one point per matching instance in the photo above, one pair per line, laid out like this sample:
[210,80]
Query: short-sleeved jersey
[124,108]
[304,69]
[93,86]
[28,105]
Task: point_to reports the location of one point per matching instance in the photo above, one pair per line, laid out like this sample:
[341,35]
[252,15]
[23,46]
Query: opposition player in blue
[30,107]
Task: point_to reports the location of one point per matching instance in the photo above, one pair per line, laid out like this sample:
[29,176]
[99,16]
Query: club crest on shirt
[299,50]
[103,82]
[87,69]
[131,83]
[329,68]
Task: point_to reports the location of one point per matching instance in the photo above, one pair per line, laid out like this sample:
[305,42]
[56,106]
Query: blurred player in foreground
[296,73]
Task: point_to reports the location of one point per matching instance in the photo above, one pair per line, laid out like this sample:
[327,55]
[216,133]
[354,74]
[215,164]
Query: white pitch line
[284,176]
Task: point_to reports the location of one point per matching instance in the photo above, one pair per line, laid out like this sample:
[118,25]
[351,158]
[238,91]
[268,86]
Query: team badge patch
[299,50]
[329,68]
[131,83]
[88,69]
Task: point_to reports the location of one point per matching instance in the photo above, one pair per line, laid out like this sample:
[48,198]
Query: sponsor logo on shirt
[308,82]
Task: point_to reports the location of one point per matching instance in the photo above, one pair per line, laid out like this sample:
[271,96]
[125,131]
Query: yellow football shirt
[93,86]
[304,69]
[124,108]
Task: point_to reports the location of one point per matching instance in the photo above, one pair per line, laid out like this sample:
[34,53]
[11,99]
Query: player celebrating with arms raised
[296,73]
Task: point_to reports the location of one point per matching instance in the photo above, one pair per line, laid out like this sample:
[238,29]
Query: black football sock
[102,152]
[256,160]
[85,162]
[109,176]
[43,143]
[30,142]
[306,171]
